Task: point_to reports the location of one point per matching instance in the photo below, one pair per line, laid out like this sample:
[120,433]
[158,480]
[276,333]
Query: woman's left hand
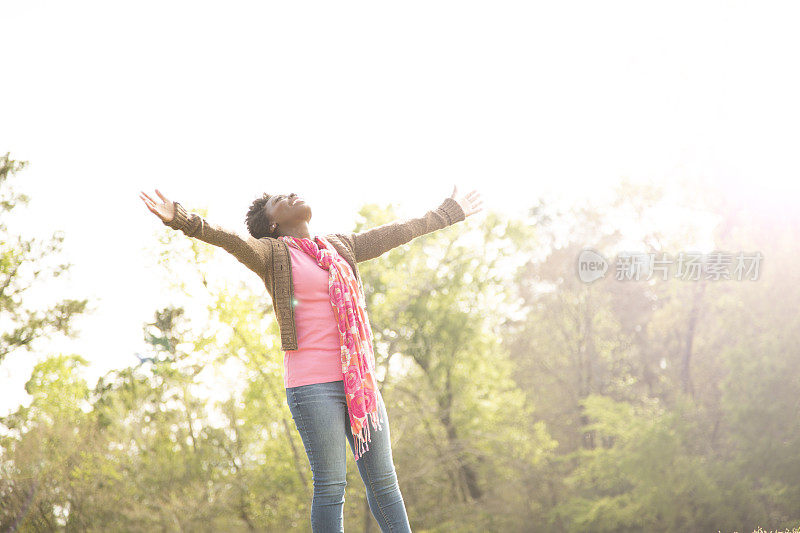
[470,203]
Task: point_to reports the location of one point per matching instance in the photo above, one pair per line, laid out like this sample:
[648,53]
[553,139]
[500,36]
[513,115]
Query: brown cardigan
[270,259]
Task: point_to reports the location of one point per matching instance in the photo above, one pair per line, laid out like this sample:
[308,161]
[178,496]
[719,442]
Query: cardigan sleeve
[251,252]
[374,242]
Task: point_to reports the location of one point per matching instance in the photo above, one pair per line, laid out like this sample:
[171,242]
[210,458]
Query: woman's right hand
[165,211]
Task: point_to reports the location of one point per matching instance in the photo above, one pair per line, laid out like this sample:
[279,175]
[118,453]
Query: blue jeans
[320,413]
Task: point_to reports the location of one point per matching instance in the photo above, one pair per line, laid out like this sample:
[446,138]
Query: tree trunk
[466,474]
[686,360]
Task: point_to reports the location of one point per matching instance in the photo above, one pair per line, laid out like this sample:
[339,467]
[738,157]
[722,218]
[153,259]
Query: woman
[326,337]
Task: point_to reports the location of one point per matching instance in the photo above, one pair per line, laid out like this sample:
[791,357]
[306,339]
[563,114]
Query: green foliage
[519,398]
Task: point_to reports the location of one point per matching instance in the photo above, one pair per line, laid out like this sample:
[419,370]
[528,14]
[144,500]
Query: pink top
[318,355]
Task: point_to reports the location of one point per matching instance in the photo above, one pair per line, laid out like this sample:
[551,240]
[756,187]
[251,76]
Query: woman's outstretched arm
[377,241]
[252,252]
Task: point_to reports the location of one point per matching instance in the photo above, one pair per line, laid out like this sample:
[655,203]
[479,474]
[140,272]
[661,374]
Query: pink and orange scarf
[355,337]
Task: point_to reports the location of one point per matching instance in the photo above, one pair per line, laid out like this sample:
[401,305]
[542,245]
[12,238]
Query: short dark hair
[258,223]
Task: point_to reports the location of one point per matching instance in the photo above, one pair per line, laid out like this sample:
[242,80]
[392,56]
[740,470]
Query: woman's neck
[299,230]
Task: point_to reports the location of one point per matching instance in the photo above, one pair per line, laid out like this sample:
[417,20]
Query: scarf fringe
[363,437]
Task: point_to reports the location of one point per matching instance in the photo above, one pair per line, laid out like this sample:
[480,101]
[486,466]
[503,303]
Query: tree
[23,263]
[460,423]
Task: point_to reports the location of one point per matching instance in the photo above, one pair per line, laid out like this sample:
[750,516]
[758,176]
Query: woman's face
[286,210]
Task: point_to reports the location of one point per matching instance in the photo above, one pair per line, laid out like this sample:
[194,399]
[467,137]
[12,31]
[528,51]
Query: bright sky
[215,103]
